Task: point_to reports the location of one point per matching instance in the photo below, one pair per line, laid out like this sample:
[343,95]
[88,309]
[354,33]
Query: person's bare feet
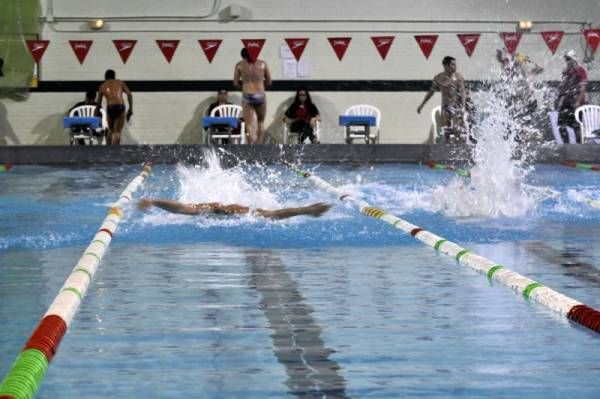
[318,209]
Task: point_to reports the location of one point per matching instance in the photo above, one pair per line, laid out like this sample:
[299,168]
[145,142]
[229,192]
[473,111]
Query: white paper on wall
[290,69]
[304,69]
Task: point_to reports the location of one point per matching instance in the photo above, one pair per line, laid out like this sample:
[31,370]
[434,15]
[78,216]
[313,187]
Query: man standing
[252,76]
[571,92]
[113,89]
[452,86]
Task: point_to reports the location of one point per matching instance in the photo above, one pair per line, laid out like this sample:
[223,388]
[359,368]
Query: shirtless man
[252,76]
[452,86]
[216,208]
[113,89]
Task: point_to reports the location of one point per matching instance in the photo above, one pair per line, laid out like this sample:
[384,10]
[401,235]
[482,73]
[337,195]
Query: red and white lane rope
[28,370]
[532,290]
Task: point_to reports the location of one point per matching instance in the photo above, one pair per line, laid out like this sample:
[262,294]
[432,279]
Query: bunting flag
[469,41]
[254,46]
[511,41]
[210,47]
[168,48]
[297,46]
[81,48]
[124,48]
[592,36]
[339,45]
[383,44]
[37,48]
[552,39]
[426,43]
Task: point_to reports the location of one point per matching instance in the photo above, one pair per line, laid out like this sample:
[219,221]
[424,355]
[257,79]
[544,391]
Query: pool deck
[323,153]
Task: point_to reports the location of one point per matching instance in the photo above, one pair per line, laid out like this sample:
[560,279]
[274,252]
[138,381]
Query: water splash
[508,137]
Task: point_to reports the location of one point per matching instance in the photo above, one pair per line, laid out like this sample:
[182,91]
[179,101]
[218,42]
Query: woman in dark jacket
[302,117]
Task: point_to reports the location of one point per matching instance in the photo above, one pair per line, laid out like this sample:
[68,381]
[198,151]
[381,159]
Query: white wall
[174,117]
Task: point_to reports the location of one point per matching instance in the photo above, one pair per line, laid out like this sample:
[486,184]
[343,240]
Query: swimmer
[113,89]
[216,208]
[253,76]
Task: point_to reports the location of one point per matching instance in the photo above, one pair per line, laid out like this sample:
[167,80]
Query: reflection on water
[296,335]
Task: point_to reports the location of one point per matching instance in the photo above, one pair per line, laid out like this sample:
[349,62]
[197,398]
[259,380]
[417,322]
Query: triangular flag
[552,39]
[297,46]
[469,41]
[37,48]
[426,43]
[210,47]
[124,47]
[81,48]
[168,48]
[592,36]
[511,41]
[382,44]
[253,46]
[339,45]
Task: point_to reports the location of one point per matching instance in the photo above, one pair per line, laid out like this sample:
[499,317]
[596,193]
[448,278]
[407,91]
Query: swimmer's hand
[419,109]
[129,114]
[144,204]
[318,209]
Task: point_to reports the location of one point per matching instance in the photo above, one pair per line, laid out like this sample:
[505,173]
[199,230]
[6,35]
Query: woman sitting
[302,117]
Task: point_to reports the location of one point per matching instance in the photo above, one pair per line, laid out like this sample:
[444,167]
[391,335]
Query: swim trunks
[255,99]
[115,110]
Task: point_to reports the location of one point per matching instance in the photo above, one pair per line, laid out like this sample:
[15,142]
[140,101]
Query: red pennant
[124,47]
[81,48]
[469,41]
[37,48]
[168,48]
[253,46]
[383,44]
[511,41]
[592,36]
[339,45]
[426,43]
[210,47]
[297,46]
[552,39]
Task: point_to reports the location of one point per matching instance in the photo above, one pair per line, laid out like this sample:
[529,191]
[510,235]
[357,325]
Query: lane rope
[581,165]
[5,167]
[531,290]
[440,166]
[26,374]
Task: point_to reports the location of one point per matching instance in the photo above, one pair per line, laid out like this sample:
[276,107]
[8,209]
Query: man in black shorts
[113,89]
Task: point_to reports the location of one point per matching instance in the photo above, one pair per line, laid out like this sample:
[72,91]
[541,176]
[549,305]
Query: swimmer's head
[501,55]
[246,55]
[449,63]
[571,57]
[109,74]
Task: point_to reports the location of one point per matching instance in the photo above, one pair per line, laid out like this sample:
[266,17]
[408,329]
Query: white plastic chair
[436,119]
[287,133]
[588,117]
[227,110]
[90,135]
[355,132]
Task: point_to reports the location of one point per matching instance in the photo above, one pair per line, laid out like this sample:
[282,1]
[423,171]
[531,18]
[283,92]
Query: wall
[174,117]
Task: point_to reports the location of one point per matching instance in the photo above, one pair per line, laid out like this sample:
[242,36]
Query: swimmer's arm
[129,98]
[170,206]
[99,100]
[427,97]
[268,80]
[463,93]
[237,77]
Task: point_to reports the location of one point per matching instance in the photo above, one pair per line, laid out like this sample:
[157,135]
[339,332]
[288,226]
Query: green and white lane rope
[531,289]
[24,378]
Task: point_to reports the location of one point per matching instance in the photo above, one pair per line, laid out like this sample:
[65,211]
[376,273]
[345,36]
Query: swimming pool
[340,306]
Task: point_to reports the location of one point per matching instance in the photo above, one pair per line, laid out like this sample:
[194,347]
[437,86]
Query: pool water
[339,306]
